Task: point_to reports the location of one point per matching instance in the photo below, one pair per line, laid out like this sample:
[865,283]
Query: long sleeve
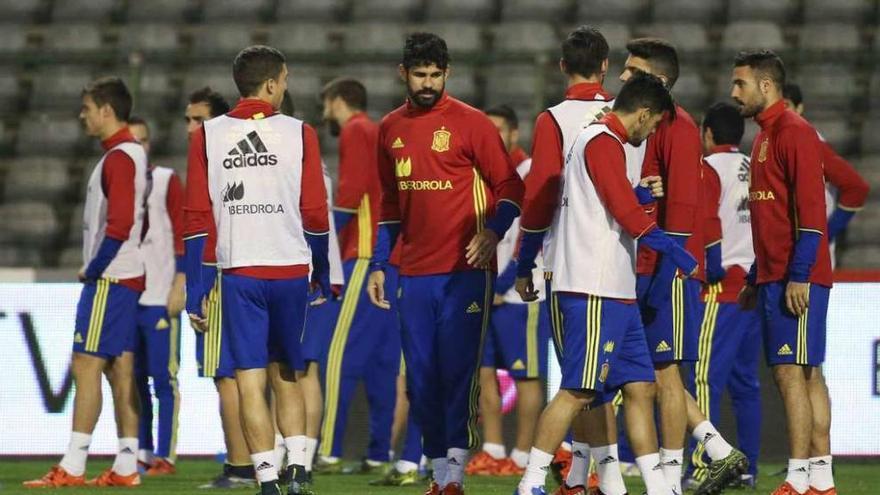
[497,170]
[544,179]
[682,160]
[198,219]
[353,174]
[313,194]
[117,180]
[174,205]
[390,211]
[852,189]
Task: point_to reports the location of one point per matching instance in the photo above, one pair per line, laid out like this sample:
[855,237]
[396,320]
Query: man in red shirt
[113,280]
[255,175]
[791,278]
[366,342]
[450,190]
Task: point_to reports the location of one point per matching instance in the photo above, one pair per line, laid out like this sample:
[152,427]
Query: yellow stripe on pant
[701,371]
[678,318]
[96,319]
[594,327]
[333,372]
[556,323]
[173,367]
[534,313]
[474,396]
[213,340]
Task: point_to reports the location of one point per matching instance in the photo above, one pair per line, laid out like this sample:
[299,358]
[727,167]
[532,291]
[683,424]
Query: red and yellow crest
[441,140]
[762,151]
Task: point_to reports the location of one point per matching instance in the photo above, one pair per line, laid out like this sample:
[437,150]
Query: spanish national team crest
[603,374]
[762,151]
[441,140]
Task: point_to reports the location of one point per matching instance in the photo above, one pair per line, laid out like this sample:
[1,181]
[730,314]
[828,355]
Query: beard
[749,110]
[334,127]
[425,98]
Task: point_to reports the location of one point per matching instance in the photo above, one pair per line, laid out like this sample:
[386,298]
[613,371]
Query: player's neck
[345,115]
[110,129]
[574,80]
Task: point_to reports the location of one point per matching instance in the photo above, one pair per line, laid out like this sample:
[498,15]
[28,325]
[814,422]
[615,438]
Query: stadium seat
[222,41]
[687,37]
[838,10]
[462,38]
[301,38]
[85,10]
[60,87]
[869,139]
[21,11]
[161,10]
[512,84]
[863,228]
[39,178]
[374,38]
[525,38]
[384,89]
[687,10]
[545,10]
[176,141]
[690,91]
[816,39]
[218,77]
[309,10]
[236,10]
[765,10]
[12,38]
[9,92]
[155,90]
[461,83]
[28,222]
[837,133]
[48,136]
[71,257]
[861,256]
[149,37]
[472,10]
[385,10]
[23,256]
[598,11]
[828,89]
[73,38]
[746,35]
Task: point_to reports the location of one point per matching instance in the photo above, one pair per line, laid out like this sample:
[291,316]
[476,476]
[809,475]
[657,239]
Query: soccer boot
[593,481]
[300,482]
[743,482]
[452,489]
[721,472]
[110,478]
[227,481]
[393,477]
[366,467]
[507,467]
[786,489]
[560,465]
[161,467]
[816,491]
[538,490]
[433,489]
[481,464]
[322,466]
[270,488]
[57,477]
[574,490]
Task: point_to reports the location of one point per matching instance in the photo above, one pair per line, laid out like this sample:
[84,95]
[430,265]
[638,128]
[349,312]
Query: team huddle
[647,247]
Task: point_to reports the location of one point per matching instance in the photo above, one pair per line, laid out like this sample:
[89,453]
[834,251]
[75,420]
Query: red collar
[616,126]
[587,91]
[121,136]
[766,118]
[723,148]
[357,116]
[251,108]
[442,104]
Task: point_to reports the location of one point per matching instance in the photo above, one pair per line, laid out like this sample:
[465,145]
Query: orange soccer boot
[57,477]
[110,478]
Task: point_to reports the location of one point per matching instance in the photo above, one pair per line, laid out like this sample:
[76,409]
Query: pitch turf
[853,478]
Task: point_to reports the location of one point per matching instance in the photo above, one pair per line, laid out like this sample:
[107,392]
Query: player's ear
[401,71]
[604,68]
[562,66]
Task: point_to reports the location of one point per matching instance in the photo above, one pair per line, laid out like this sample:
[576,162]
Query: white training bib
[733,210]
[158,245]
[255,180]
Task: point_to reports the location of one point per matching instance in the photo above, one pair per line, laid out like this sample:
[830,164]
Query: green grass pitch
[853,478]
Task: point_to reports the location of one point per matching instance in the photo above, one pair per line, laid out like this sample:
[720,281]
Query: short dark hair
[255,65]
[352,92]
[506,113]
[110,91]
[792,91]
[583,51]
[421,49]
[660,53]
[214,100]
[726,123]
[765,62]
[644,90]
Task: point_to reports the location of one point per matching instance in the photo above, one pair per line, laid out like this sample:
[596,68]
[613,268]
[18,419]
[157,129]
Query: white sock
[520,457]
[652,473]
[536,471]
[280,451]
[126,458]
[145,456]
[296,450]
[264,465]
[716,446]
[672,462]
[580,465]
[821,476]
[74,461]
[799,474]
[405,466]
[441,469]
[456,459]
[496,450]
[608,469]
[311,447]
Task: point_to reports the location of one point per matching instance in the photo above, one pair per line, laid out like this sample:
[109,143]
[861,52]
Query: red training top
[358,190]
[313,196]
[852,189]
[786,194]
[442,170]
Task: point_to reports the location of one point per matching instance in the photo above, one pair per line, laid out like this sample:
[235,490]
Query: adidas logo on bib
[249,152]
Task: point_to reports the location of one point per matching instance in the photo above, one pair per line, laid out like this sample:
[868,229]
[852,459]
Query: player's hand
[200,322]
[376,289]
[797,297]
[480,250]
[320,285]
[654,183]
[81,276]
[748,297]
[177,295]
[498,300]
[525,287]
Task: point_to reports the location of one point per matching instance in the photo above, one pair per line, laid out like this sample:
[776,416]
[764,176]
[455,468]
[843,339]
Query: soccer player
[845,190]
[113,280]
[670,304]
[517,341]
[729,336]
[255,175]
[366,342]
[602,337]
[157,342]
[790,280]
[450,190]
